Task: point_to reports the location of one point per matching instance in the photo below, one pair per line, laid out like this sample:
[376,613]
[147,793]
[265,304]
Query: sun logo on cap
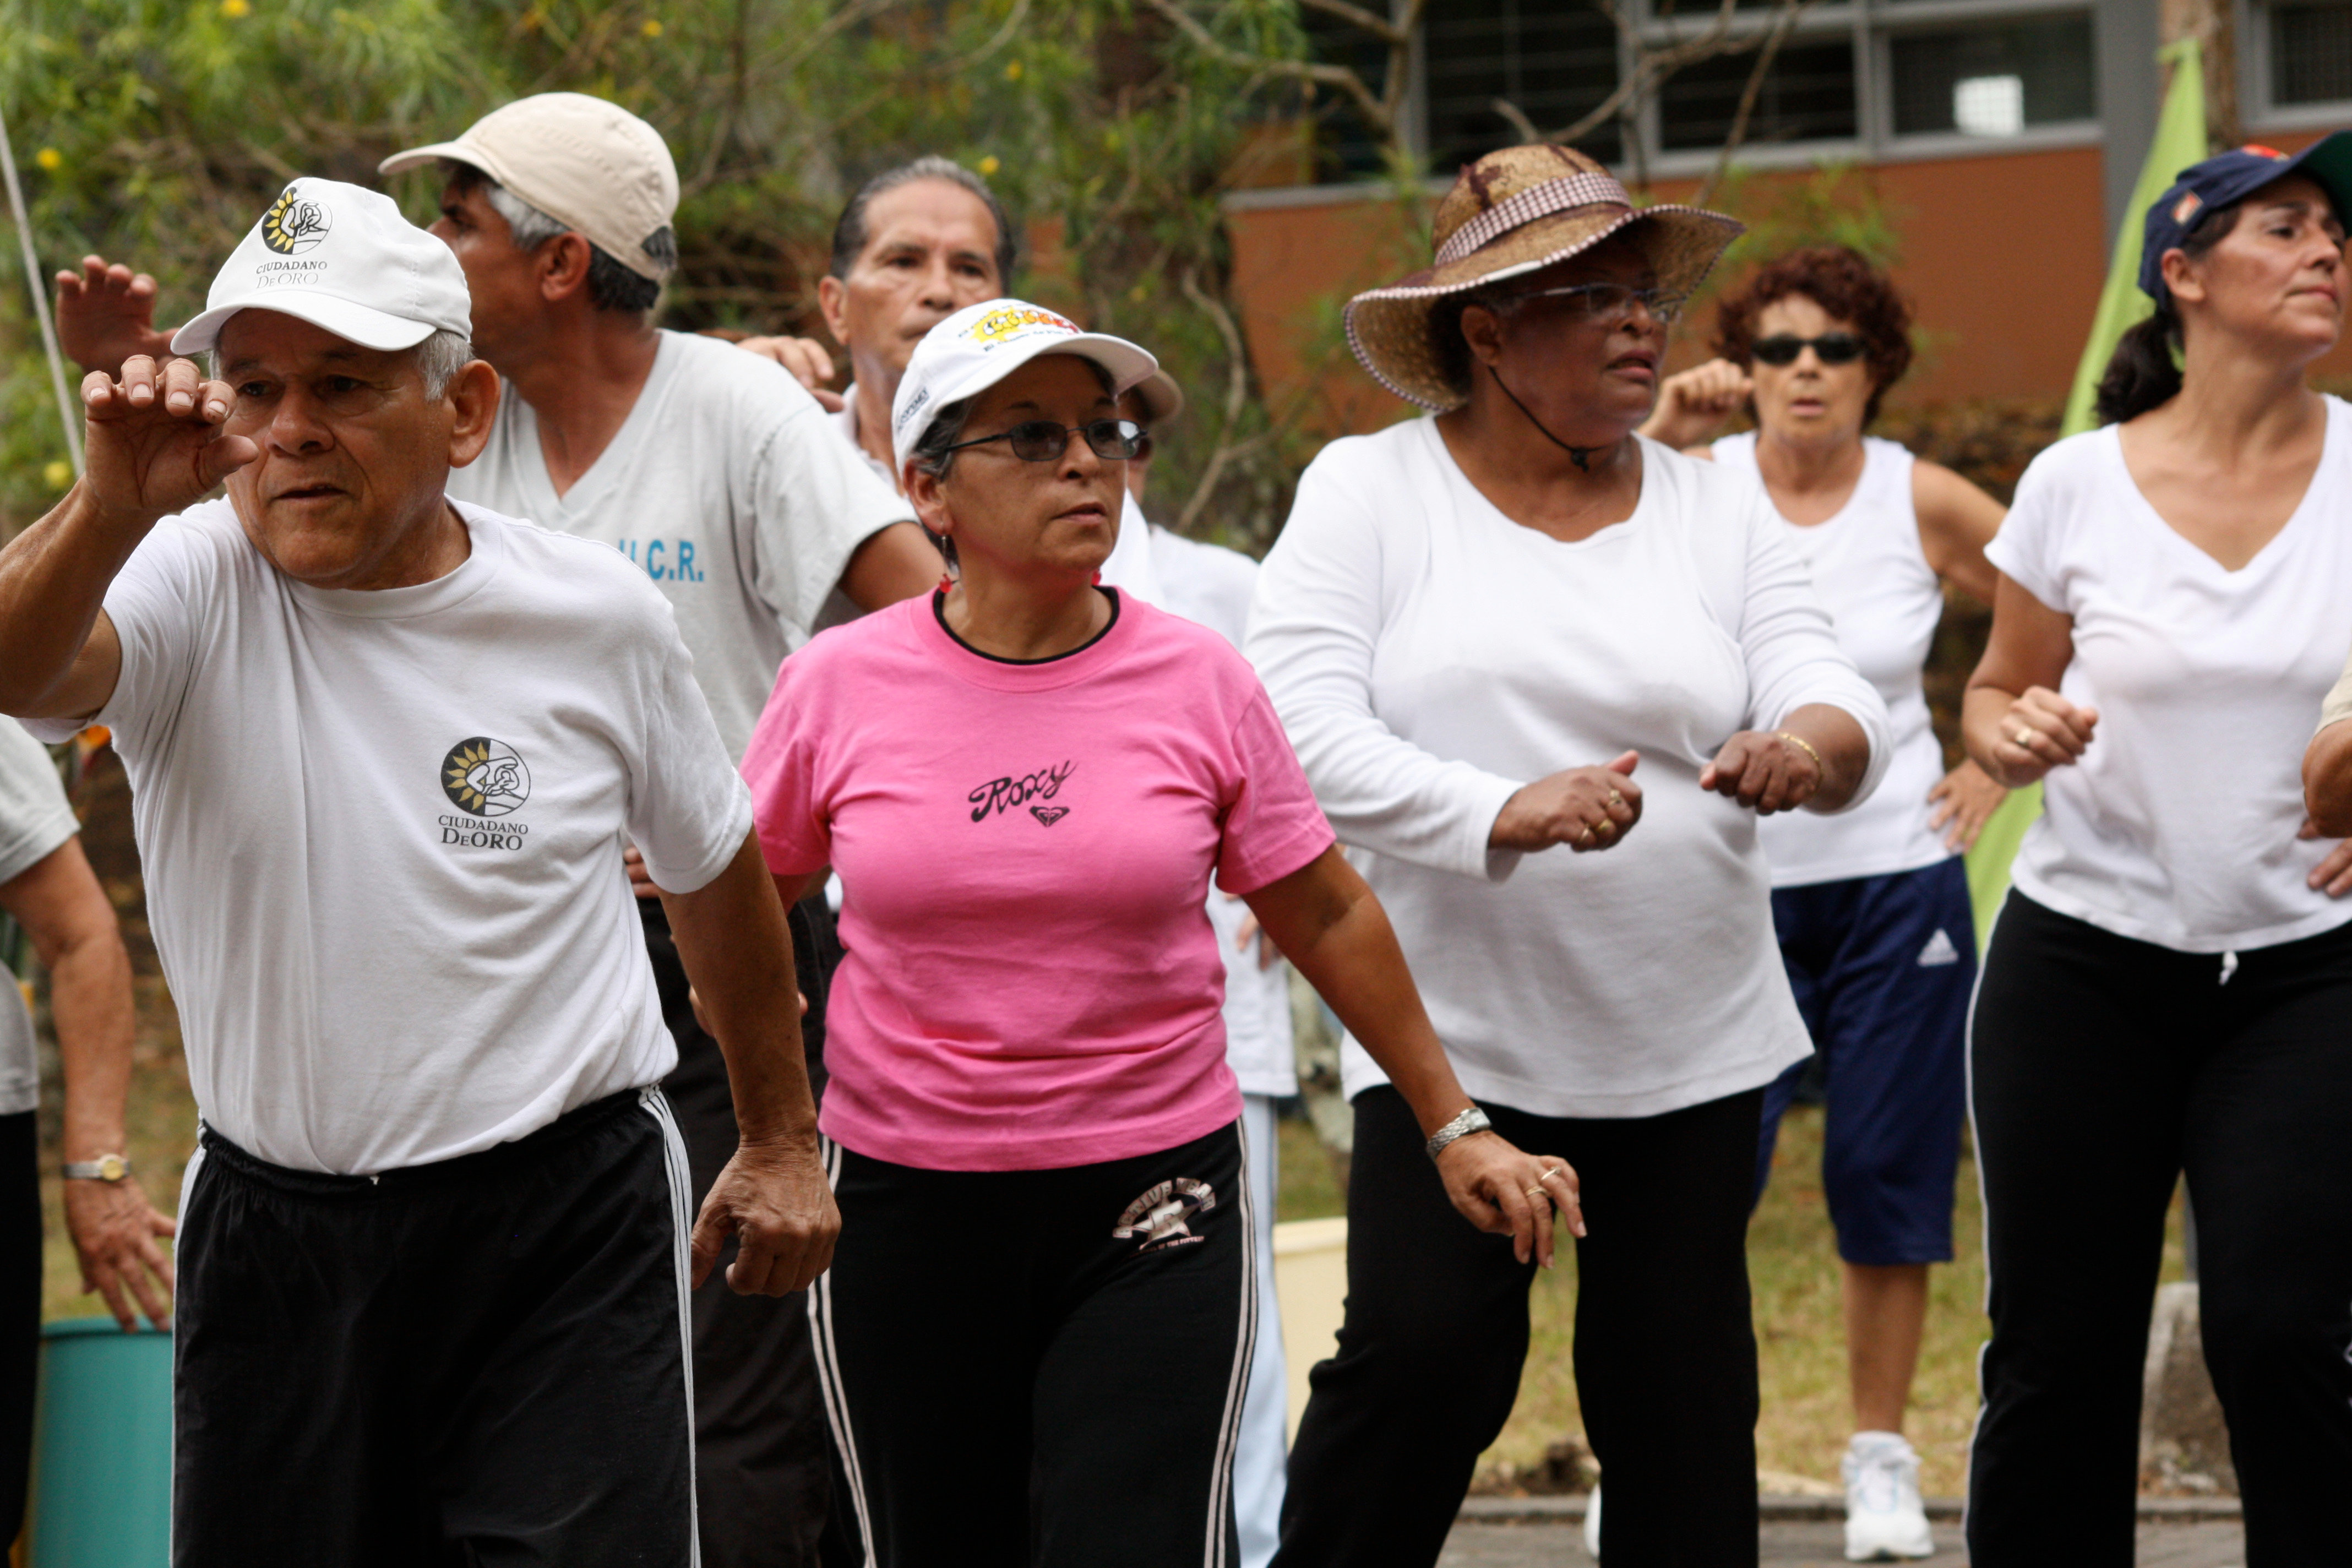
[295,224]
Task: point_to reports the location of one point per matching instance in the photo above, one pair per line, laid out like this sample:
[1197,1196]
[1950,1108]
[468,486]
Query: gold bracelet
[1806,745]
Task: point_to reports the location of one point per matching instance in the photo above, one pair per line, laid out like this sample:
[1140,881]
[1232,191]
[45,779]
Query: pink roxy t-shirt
[1025,851]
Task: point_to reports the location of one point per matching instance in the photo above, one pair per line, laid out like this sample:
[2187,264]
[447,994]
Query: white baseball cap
[341,258]
[981,344]
[589,164]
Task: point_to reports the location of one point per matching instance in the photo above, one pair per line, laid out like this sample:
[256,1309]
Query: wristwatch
[1471,1121]
[105,1168]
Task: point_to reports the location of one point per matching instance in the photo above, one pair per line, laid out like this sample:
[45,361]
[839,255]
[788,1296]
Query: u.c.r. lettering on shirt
[1000,795]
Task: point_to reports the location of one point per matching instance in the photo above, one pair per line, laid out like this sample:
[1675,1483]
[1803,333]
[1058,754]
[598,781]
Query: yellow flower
[234,9]
[1013,71]
[1139,293]
[652,27]
[49,158]
[57,475]
[988,166]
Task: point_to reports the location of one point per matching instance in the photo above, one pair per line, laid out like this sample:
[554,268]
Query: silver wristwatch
[105,1168]
[1471,1121]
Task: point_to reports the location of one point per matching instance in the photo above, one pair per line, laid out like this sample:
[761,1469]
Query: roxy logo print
[998,797]
[1159,1217]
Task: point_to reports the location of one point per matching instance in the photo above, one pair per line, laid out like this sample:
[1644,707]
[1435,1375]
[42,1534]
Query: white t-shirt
[382,834]
[1872,574]
[2177,826]
[724,486]
[1429,656]
[35,819]
[1210,584]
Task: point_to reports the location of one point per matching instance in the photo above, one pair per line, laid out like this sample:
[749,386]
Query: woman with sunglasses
[2167,988]
[1036,1337]
[1546,676]
[1872,906]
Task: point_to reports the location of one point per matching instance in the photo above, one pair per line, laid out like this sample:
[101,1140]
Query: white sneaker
[1592,1522]
[1885,1521]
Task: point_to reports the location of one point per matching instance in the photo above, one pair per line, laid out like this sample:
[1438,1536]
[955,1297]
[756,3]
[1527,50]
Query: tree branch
[1339,77]
[1379,27]
[1784,19]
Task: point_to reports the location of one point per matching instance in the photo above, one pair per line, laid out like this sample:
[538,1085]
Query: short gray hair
[438,358]
[850,235]
[611,286]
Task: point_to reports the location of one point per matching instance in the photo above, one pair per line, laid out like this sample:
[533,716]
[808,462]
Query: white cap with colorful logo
[341,258]
[980,345]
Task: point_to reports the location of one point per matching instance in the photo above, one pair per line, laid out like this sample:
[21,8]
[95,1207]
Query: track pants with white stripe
[479,1362]
[2101,1070]
[1042,1369]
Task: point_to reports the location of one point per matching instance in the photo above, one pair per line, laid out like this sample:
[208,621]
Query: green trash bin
[102,1447]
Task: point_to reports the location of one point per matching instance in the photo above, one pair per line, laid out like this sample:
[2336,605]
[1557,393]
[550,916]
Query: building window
[1807,95]
[2310,54]
[1993,81]
[1553,61]
[1866,79]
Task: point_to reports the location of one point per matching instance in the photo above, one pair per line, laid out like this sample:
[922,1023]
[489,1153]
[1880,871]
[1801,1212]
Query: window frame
[2257,111]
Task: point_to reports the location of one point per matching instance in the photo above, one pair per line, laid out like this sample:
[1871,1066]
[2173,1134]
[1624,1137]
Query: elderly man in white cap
[385,747]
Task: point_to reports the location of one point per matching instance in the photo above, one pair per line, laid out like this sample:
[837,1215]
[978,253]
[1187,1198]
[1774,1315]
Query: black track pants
[2102,1069]
[1436,1334]
[764,1476]
[1043,1369]
[480,1363]
[20,1309]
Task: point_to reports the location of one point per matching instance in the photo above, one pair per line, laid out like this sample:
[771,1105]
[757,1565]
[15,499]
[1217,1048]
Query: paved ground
[1815,1545]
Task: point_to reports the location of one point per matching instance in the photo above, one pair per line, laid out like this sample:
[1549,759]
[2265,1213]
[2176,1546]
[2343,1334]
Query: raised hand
[1764,772]
[154,437]
[1694,404]
[106,314]
[806,359]
[1585,808]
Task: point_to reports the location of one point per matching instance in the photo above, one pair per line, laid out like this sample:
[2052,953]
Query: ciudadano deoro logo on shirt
[487,780]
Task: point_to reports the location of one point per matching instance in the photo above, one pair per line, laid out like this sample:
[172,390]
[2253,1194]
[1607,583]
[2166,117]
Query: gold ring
[1537,1193]
[1606,825]
[1616,799]
[1547,1175]
[2023,738]
[1587,837]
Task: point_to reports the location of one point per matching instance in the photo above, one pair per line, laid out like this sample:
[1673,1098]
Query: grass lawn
[1800,1340]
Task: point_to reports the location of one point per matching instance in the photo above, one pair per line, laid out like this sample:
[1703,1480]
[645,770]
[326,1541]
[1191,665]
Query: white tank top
[1873,577]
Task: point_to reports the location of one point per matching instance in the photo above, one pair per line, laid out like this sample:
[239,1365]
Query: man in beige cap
[720,475]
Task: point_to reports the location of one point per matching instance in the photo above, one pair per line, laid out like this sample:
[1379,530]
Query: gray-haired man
[383,746]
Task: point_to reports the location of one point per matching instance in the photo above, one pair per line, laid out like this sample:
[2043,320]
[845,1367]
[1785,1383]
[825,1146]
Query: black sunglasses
[1042,441]
[1830,348]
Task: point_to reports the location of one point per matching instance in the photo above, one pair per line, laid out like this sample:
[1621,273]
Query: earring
[947,583]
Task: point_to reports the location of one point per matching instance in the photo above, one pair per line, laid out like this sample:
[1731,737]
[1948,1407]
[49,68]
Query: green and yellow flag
[2179,141]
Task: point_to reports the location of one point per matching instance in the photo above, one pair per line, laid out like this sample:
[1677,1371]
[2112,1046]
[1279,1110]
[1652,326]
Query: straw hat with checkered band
[1513,212]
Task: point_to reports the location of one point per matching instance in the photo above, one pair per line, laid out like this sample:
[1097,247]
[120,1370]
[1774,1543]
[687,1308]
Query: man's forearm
[89,999]
[737,950]
[53,583]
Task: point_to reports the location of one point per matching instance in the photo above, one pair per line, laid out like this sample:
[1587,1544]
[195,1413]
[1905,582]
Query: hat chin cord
[1580,456]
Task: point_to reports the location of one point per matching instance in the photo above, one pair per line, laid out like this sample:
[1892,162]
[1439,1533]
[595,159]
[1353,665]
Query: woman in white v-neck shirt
[1544,677]
[2168,986]
[1871,907]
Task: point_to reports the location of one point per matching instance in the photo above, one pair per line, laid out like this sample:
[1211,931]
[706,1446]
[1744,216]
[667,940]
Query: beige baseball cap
[587,163]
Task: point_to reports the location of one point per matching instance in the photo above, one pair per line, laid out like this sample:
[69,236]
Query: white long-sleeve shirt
[1429,656]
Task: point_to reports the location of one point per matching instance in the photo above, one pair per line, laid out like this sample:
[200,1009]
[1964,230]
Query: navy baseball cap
[2232,176]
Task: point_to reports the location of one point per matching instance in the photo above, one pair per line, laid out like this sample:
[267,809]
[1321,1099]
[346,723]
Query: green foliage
[1834,203]
[155,133]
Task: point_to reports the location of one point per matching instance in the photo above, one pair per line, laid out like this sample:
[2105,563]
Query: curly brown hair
[1843,284]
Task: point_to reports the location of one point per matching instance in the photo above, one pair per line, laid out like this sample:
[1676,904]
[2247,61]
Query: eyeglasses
[1142,446]
[1042,441]
[1609,304]
[1830,348]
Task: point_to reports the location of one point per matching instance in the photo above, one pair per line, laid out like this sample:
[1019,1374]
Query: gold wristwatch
[105,1168]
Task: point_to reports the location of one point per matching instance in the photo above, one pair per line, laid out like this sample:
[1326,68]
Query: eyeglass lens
[1042,441]
[1830,348]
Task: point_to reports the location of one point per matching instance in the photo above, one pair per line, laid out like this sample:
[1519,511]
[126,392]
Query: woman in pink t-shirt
[1036,1331]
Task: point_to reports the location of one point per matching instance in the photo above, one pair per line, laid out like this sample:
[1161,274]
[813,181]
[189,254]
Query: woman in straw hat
[1480,630]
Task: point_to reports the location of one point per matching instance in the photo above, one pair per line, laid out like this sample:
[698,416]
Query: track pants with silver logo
[1015,1386]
